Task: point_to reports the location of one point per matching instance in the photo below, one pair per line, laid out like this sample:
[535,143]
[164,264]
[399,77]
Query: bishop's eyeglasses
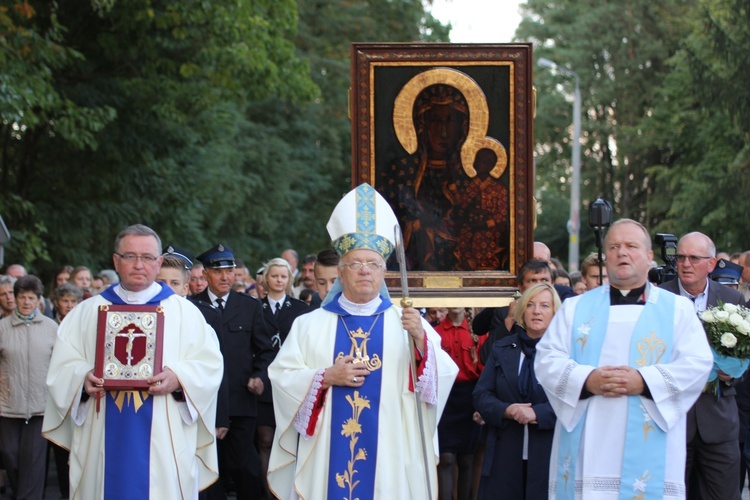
[356,265]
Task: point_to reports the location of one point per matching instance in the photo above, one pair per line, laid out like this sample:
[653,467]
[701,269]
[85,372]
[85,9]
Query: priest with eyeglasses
[151,440]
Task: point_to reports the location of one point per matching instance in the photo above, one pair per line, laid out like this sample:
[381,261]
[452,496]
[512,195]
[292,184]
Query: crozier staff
[343,395]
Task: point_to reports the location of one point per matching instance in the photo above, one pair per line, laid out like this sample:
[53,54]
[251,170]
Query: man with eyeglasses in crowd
[713,455]
[166,432]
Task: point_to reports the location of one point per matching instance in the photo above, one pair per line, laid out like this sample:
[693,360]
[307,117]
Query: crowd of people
[295,382]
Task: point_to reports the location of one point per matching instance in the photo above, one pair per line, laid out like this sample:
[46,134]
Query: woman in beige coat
[26,341]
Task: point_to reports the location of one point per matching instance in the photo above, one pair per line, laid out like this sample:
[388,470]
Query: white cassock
[183,448]
[674,387]
[298,465]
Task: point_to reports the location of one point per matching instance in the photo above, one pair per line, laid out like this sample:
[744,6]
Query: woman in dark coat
[514,406]
[280,310]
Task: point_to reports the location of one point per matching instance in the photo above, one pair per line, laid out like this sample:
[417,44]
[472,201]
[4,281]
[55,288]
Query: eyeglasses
[694,259]
[356,265]
[131,258]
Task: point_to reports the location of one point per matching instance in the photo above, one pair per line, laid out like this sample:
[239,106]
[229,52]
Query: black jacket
[717,419]
[279,326]
[246,346]
[213,318]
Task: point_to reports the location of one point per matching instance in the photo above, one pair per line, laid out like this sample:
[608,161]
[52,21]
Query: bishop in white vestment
[346,407]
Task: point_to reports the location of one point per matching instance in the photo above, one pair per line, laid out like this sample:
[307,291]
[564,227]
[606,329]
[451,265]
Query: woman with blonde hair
[280,309]
[81,277]
[514,406]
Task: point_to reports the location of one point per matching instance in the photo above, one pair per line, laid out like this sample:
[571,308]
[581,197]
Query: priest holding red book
[154,438]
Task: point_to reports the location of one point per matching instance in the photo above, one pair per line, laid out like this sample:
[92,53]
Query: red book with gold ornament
[128,345]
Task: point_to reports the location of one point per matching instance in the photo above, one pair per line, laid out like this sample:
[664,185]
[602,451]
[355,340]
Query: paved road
[52,491]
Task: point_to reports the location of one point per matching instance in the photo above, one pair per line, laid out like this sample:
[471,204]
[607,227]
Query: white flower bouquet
[728,330]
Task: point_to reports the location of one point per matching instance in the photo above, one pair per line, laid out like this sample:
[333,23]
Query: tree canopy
[665,119]
[216,121]
[208,121]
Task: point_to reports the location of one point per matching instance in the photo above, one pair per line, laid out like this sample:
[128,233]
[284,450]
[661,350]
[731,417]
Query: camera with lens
[667,272]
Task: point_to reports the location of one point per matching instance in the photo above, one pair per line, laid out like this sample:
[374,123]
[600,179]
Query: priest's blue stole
[355,412]
[127,444]
[644,456]
[127,432]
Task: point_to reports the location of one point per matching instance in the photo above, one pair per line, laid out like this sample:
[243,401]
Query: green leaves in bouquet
[728,329]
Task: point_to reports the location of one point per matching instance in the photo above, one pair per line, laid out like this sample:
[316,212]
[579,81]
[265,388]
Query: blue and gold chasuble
[127,431]
[644,456]
[355,411]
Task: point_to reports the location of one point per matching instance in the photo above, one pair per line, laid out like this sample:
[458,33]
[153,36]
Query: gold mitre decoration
[362,220]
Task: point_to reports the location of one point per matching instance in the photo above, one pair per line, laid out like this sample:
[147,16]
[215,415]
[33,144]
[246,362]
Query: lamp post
[574,223]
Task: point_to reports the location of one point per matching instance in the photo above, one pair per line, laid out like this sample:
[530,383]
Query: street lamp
[574,224]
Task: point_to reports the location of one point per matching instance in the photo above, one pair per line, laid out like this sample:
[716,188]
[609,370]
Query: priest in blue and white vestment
[346,409]
[622,364]
[157,443]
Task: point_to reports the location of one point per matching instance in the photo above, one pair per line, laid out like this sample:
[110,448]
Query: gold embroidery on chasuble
[351,428]
[651,349]
[566,469]
[639,486]
[646,424]
[583,336]
[125,398]
[358,350]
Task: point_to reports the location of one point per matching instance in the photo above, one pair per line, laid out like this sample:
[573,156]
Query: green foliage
[209,121]
[665,118]
[31,52]
[719,60]
[701,126]
[137,119]
[30,242]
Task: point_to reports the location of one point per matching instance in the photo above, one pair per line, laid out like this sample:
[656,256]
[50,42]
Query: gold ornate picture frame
[445,133]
